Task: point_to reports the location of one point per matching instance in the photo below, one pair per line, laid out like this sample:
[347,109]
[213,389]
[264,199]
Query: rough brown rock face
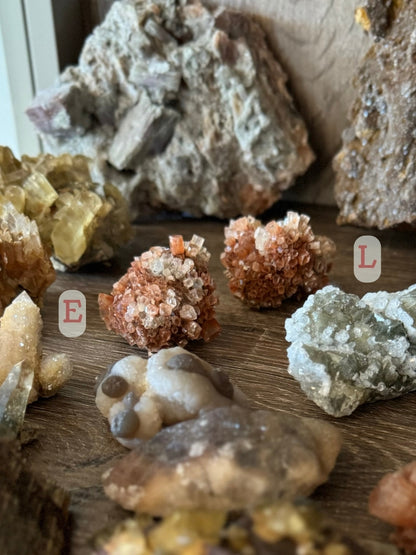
[182,107]
[376,172]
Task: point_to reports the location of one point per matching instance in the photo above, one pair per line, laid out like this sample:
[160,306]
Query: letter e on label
[367,259]
[72,313]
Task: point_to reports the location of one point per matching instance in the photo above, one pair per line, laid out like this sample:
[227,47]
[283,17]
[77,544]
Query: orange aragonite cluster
[394,501]
[268,264]
[166,297]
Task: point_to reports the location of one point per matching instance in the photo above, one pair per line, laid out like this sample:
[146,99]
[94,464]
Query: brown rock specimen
[229,458]
[20,340]
[394,501]
[33,513]
[376,172]
[268,264]
[191,113]
[166,297]
[139,396]
[282,528]
[78,220]
[24,262]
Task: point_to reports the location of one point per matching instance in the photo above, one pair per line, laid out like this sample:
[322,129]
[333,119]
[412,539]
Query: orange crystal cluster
[166,298]
[268,264]
[394,501]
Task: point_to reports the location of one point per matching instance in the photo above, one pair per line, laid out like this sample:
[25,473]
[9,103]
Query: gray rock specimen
[228,458]
[14,397]
[376,169]
[182,107]
[346,351]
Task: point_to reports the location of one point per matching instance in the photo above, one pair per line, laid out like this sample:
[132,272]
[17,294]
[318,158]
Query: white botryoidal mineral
[346,351]
[139,396]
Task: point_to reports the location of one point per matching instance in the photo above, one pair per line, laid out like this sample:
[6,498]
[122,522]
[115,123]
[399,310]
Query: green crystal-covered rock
[346,351]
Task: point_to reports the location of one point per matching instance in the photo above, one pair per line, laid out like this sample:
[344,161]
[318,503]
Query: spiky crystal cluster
[268,264]
[166,298]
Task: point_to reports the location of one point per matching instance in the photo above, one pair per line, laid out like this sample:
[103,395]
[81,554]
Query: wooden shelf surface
[74,445]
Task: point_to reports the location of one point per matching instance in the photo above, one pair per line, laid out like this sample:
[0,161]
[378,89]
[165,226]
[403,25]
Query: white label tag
[72,313]
[367,258]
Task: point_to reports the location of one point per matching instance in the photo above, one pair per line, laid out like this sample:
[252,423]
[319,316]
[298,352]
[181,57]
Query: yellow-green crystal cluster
[79,221]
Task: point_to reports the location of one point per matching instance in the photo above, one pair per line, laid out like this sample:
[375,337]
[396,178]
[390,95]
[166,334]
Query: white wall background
[28,63]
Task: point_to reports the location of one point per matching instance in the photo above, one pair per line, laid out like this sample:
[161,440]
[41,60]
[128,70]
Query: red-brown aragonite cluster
[394,501]
[166,297]
[267,264]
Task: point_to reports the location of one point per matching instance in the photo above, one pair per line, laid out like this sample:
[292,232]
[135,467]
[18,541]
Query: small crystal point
[14,395]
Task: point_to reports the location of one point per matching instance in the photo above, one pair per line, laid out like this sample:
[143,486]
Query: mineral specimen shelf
[74,445]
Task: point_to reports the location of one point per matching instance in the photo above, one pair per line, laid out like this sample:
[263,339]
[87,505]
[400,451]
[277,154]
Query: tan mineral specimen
[267,264]
[79,220]
[183,107]
[139,396]
[281,528]
[166,298]
[24,261]
[394,501]
[229,458]
[20,340]
[375,168]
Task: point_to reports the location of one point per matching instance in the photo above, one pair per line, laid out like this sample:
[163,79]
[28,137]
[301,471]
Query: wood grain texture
[75,446]
[34,510]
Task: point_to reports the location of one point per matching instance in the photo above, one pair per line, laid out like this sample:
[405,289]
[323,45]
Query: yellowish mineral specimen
[20,340]
[24,262]
[79,220]
[281,528]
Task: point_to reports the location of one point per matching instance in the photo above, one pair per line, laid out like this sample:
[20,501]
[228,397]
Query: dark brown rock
[33,513]
[376,168]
